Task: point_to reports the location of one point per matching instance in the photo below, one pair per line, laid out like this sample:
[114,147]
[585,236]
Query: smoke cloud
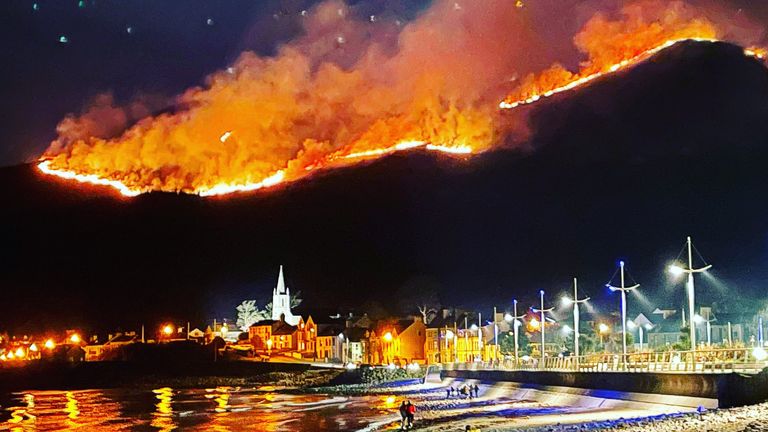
[354,84]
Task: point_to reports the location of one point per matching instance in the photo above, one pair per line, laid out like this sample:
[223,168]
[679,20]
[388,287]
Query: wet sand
[494,412]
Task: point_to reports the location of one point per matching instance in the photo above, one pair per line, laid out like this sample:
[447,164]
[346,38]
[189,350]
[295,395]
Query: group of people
[407,412]
[463,391]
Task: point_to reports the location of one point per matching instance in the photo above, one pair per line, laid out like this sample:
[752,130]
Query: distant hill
[624,168]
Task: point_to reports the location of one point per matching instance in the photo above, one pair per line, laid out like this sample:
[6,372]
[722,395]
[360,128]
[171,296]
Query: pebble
[748,419]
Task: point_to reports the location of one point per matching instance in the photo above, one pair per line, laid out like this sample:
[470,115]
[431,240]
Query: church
[281,302]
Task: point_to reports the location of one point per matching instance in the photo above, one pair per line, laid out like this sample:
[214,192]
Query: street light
[602,329]
[168,330]
[515,325]
[631,324]
[542,310]
[75,338]
[677,270]
[624,290]
[698,319]
[575,301]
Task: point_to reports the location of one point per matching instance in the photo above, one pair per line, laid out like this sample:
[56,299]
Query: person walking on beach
[403,415]
[447,393]
[476,389]
[411,411]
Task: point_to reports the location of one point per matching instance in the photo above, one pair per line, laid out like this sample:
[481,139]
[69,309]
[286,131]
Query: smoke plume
[354,87]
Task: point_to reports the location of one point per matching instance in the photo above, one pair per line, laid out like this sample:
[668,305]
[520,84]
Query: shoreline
[494,410]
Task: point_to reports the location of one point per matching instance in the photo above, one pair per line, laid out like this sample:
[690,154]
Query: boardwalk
[744,360]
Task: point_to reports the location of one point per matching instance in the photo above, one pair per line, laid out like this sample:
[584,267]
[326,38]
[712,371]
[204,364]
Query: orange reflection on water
[23,417]
[72,410]
[162,418]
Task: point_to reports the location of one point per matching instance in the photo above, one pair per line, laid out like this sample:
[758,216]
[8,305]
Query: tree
[420,293]
[685,340]
[507,343]
[248,314]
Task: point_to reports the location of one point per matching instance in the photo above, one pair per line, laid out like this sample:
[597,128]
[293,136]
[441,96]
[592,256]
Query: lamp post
[495,337]
[698,319]
[515,325]
[677,270]
[542,310]
[602,329]
[624,290]
[640,330]
[575,301]
[730,342]
[466,336]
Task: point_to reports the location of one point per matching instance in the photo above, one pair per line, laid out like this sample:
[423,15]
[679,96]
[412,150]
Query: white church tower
[281,302]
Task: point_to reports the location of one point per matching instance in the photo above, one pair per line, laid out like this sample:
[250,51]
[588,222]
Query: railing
[701,361]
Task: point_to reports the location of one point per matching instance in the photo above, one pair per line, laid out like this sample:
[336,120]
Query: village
[435,336]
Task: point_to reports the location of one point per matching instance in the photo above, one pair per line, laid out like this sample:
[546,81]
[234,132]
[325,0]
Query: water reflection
[162,418]
[70,408]
[221,409]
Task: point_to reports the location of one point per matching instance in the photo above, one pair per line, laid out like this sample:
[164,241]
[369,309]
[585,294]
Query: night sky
[622,170]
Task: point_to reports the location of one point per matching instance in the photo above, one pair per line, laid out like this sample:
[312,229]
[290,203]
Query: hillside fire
[431,85]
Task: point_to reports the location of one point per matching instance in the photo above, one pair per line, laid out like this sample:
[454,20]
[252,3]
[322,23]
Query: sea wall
[684,389]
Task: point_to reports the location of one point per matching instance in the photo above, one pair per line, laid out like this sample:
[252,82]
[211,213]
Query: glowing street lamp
[575,301]
[602,329]
[677,270]
[75,338]
[168,330]
[542,311]
[624,290]
[388,337]
[698,319]
[49,344]
[632,325]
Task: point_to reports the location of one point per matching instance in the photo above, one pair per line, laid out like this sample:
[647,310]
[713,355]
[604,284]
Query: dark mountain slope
[623,169]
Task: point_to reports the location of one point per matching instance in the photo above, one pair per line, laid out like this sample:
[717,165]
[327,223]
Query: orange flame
[266,121]
[614,45]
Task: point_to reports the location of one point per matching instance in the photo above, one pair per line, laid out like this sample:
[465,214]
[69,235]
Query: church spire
[280,289]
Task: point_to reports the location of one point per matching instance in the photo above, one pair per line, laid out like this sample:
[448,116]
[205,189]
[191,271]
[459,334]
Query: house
[667,331]
[284,337]
[260,333]
[112,349]
[330,342]
[397,342]
[355,345]
[440,338]
[307,337]
[197,335]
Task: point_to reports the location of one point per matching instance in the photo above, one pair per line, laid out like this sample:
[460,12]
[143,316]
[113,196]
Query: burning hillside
[350,90]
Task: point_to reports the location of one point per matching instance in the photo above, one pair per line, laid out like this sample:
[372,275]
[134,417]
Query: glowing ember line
[403,145]
[462,149]
[273,180]
[45,167]
[225,188]
[506,104]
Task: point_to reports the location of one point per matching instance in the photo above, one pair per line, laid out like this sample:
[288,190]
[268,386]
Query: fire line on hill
[268,121]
